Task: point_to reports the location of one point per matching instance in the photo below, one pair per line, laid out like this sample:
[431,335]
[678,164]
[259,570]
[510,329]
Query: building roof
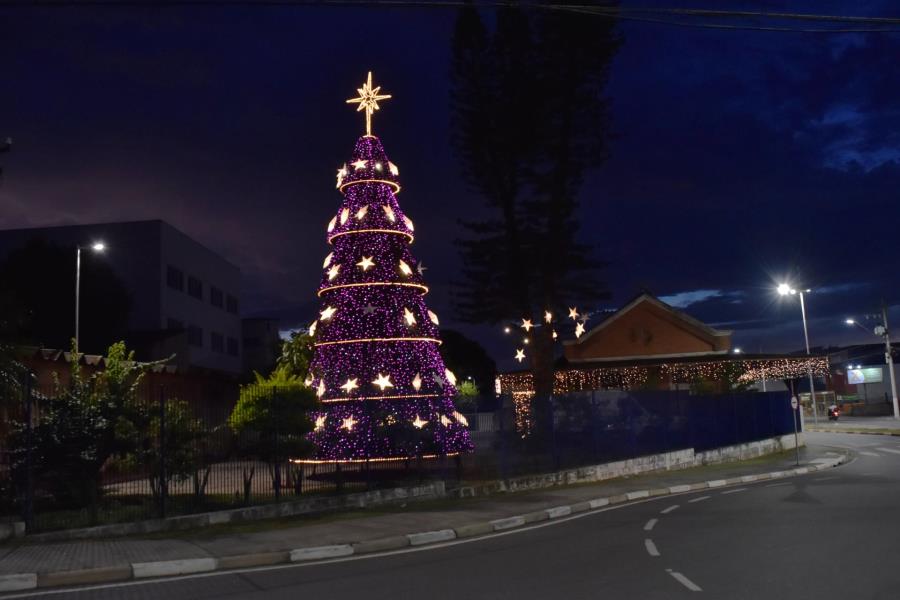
[649,298]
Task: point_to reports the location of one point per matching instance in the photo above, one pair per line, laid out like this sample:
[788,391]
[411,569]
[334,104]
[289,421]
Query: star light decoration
[573,313]
[548,316]
[366,263]
[527,324]
[405,268]
[368,101]
[361,213]
[417,382]
[520,354]
[320,422]
[327,313]
[333,272]
[409,317]
[350,385]
[419,423]
[348,423]
[579,330]
[389,213]
[342,172]
[383,381]
[359,165]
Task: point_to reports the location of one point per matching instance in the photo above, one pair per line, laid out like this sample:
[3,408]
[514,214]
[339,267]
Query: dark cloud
[739,158]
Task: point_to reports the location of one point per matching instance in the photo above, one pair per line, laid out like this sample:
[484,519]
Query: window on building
[175,278]
[195,336]
[232,346]
[174,324]
[216,342]
[231,304]
[195,288]
[216,297]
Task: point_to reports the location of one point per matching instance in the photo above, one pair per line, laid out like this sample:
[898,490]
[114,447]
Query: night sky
[738,157]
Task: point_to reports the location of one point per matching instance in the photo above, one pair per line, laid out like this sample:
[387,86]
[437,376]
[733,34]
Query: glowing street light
[784,289]
[96,247]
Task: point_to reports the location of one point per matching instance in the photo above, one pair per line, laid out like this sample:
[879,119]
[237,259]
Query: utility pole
[885,333]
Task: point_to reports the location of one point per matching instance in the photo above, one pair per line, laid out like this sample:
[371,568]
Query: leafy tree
[529,121]
[81,426]
[39,288]
[272,418]
[467,400]
[296,354]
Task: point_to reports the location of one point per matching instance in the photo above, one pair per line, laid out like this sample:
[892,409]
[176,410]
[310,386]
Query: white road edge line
[825,478]
[779,484]
[700,499]
[680,578]
[666,511]
[735,491]
[875,454]
[891,450]
[650,524]
[651,547]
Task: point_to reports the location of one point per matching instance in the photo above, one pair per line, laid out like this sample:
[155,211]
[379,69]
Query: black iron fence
[73,457]
[89,454]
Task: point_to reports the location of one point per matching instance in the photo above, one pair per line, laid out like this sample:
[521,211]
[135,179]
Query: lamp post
[96,247]
[784,290]
[883,332]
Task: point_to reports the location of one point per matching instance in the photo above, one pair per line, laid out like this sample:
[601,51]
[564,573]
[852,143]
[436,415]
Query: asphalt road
[831,534]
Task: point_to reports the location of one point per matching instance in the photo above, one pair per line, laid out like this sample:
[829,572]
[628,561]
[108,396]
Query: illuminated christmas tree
[384,389]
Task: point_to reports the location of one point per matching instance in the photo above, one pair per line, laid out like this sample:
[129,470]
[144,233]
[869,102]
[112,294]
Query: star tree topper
[368,101]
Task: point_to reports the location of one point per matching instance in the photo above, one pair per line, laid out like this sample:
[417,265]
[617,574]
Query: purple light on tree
[377,370]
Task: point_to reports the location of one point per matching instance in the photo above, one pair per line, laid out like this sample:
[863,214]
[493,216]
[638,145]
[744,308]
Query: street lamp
[96,247]
[785,290]
[882,332]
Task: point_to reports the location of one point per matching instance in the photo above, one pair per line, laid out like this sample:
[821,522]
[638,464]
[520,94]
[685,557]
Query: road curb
[859,431]
[170,568]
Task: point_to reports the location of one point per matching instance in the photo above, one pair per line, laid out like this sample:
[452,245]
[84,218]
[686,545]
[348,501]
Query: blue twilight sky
[738,157]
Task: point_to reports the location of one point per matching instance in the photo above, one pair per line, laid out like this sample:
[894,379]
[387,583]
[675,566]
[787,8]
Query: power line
[677,17]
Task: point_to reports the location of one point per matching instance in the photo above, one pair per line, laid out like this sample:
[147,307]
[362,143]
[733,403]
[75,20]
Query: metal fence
[70,459]
[75,458]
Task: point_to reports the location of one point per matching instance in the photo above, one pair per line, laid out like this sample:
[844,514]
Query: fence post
[163,477]
[276,474]
[28,508]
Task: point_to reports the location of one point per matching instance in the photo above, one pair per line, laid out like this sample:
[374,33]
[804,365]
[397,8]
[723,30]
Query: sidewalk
[26,566]
[874,425]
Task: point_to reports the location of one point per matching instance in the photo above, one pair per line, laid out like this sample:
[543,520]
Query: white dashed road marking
[735,491]
[651,547]
[684,581]
[778,484]
[825,478]
[650,524]
[666,511]
[699,499]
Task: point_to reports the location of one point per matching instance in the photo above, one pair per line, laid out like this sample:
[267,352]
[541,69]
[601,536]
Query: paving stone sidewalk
[86,561]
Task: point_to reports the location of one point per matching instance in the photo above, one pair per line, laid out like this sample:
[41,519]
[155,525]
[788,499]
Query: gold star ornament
[520,355]
[527,324]
[350,385]
[368,101]
[383,381]
[365,263]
